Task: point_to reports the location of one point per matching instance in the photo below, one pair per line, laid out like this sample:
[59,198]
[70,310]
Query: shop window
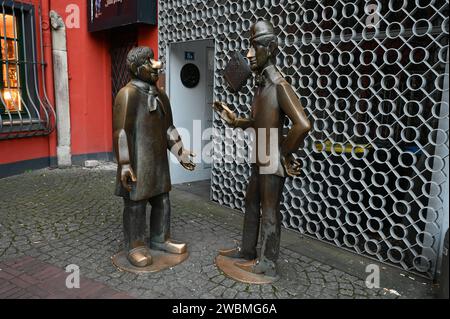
[24,106]
[10,70]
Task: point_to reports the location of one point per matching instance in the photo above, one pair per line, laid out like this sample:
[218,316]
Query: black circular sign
[190,75]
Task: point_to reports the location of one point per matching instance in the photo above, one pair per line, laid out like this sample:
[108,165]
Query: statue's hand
[186,159]
[225,113]
[291,165]
[127,174]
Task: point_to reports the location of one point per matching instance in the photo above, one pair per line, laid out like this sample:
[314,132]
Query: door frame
[213,42]
[169,44]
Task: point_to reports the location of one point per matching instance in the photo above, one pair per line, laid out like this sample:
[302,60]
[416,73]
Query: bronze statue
[143,132]
[274,100]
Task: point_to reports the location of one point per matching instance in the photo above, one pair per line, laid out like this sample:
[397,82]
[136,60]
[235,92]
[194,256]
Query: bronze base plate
[161,261]
[227,265]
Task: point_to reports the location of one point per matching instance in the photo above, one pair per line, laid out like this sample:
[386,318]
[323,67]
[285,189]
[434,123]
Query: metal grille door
[373,77]
[122,43]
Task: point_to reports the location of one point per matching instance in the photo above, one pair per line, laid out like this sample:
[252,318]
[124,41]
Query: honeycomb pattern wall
[371,75]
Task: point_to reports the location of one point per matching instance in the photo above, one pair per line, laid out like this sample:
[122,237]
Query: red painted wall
[148,36]
[89,66]
[89,85]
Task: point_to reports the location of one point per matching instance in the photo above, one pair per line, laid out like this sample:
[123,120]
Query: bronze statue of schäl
[143,132]
[274,101]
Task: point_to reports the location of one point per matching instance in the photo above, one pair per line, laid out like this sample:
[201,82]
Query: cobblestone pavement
[29,278]
[71,216]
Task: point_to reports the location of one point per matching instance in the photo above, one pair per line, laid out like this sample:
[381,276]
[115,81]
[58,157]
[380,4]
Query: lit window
[10,68]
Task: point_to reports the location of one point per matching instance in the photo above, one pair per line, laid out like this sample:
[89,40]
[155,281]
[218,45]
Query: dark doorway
[122,40]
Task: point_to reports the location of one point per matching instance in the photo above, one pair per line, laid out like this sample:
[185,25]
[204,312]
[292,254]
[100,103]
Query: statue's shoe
[140,256]
[257,267]
[170,247]
[236,253]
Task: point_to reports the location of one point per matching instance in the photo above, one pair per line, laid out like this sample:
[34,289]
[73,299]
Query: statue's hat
[261,29]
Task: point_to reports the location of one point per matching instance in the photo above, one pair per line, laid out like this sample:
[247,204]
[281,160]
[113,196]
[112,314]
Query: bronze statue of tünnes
[143,132]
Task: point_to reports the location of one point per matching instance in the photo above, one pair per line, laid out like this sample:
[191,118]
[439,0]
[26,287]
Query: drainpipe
[44,21]
[61,83]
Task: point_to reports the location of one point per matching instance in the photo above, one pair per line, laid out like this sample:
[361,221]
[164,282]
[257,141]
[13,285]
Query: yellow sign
[341,148]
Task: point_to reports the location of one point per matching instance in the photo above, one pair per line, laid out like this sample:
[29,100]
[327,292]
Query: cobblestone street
[61,217]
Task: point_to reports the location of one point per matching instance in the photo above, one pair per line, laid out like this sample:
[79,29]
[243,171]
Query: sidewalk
[53,218]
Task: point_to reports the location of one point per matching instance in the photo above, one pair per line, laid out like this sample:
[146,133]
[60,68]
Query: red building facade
[92,60]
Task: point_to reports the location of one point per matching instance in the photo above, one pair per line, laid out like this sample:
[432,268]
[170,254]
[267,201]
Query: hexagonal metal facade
[373,77]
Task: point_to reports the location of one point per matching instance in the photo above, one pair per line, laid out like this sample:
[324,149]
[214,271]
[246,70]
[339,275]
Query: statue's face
[148,72]
[258,56]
